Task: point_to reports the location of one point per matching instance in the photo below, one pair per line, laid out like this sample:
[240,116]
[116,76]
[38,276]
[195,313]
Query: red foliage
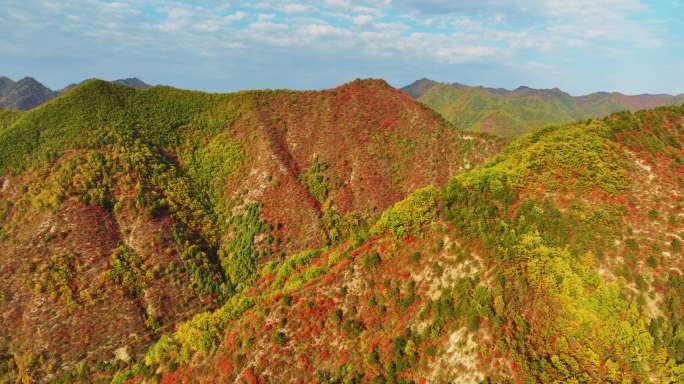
[250,376]
[387,123]
[176,376]
[303,362]
[343,359]
[223,365]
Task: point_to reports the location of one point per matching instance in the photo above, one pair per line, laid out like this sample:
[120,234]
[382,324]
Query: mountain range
[512,113]
[28,93]
[133,210]
[349,235]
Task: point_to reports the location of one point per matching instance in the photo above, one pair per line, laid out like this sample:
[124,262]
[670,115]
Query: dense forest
[126,211]
[340,236]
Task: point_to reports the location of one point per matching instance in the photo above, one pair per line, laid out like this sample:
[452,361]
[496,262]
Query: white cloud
[179,13]
[466,53]
[114,6]
[267,26]
[362,19]
[265,16]
[468,23]
[323,30]
[390,26]
[338,3]
[262,5]
[297,8]
[537,67]
[239,15]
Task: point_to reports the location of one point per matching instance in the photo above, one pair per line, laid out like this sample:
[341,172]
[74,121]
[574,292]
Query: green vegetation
[99,113]
[211,166]
[241,255]
[126,270]
[286,269]
[57,277]
[574,157]
[408,216]
[314,179]
[584,328]
[588,314]
[7,117]
[201,334]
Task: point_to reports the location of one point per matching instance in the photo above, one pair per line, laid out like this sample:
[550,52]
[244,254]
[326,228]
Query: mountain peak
[23,94]
[545,93]
[5,82]
[133,82]
[29,81]
[419,87]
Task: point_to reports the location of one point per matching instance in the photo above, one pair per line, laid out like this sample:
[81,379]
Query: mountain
[28,93]
[343,235]
[419,87]
[125,212]
[133,82]
[512,113]
[23,94]
[557,261]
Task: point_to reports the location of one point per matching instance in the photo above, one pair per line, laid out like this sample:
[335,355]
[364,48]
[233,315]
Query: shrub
[314,179]
[126,270]
[372,261]
[201,334]
[411,214]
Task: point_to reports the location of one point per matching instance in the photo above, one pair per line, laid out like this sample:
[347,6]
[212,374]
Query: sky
[580,46]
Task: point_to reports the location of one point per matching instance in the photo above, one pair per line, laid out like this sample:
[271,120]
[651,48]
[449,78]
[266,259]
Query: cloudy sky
[581,46]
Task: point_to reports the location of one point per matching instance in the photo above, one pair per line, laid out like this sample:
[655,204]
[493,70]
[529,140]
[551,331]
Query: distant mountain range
[28,93]
[23,94]
[511,113]
[498,111]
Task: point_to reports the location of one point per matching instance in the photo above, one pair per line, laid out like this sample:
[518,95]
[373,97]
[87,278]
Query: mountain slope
[7,117]
[23,94]
[558,261]
[512,113]
[124,212]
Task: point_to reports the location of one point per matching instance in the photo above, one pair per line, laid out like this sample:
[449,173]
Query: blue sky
[581,46]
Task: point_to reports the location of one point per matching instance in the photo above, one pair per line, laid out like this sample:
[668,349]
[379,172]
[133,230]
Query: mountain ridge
[28,92]
[511,113]
[425,83]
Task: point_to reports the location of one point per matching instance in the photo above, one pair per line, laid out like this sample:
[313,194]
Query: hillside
[513,113]
[28,93]
[124,211]
[7,117]
[558,261]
